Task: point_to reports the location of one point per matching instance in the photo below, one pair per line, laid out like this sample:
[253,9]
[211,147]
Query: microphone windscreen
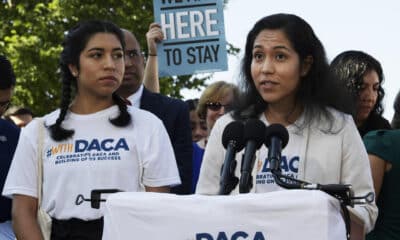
[279,131]
[234,132]
[254,129]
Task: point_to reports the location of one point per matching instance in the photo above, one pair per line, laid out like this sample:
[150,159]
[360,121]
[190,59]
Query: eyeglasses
[4,105]
[216,106]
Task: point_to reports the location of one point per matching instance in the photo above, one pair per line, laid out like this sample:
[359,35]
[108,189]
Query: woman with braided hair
[94,141]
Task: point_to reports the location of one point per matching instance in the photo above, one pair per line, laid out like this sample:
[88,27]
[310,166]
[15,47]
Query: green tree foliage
[31,33]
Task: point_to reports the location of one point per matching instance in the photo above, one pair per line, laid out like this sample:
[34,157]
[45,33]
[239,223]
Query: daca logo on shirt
[82,145]
[235,236]
[287,165]
[104,145]
[265,180]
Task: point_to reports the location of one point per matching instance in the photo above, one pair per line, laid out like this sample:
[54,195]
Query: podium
[287,214]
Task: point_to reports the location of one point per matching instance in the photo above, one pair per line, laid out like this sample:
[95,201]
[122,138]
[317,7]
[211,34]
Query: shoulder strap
[40,160]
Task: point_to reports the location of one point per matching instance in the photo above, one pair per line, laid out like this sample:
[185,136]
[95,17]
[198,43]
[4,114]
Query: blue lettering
[284,164]
[121,144]
[222,236]
[104,144]
[294,164]
[237,235]
[80,145]
[94,145]
[203,236]
[266,166]
[259,236]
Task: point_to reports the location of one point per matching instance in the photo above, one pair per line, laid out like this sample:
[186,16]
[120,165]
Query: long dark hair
[74,43]
[316,90]
[350,67]
[396,117]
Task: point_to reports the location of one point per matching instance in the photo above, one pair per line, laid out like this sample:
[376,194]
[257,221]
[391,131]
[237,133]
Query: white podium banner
[287,214]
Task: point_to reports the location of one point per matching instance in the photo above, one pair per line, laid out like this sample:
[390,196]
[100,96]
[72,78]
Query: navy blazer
[174,113]
[9,134]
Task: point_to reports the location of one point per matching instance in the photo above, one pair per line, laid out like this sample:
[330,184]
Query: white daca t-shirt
[291,156]
[98,156]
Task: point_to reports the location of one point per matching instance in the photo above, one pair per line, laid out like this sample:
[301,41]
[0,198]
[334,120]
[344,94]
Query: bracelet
[150,54]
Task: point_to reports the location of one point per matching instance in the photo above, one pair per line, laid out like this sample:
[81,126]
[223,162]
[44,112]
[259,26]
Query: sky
[367,25]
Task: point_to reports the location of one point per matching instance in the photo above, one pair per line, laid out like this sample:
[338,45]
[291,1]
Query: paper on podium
[287,214]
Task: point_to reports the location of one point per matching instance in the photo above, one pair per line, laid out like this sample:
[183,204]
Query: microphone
[276,138]
[254,135]
[232,139]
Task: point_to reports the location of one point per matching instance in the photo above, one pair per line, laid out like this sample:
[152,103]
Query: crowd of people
[151,142]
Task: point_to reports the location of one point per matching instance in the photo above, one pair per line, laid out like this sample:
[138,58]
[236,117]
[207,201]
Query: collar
[135,98]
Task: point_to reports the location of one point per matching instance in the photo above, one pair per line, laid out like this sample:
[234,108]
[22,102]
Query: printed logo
[83,150]
[235,236]
[289,167]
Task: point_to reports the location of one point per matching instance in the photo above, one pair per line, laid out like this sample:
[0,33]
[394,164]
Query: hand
[154,36]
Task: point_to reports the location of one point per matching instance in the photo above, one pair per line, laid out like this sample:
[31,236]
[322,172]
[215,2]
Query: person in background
[94,134]
[9,135]
[286,81]
[150,76]
[217,99]
[20,116]
[198,126]
[384,155]
[199,133]
[174,113]
[363,76]
[7,84]
[396,117]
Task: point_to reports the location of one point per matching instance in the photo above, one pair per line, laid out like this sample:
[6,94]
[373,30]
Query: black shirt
[373,122]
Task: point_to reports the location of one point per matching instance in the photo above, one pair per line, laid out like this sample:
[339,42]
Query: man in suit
[174,113]
[9,134]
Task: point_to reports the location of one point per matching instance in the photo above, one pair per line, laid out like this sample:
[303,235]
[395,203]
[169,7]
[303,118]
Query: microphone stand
[342,192]
[230,182]
[95,197]
[246,178]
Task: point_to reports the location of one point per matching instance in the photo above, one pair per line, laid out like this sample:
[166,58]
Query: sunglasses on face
[216,106]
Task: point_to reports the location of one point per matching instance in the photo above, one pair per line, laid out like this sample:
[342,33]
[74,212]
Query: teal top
[386,145]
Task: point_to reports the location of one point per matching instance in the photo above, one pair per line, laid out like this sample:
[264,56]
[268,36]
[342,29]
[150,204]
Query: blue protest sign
[194,36]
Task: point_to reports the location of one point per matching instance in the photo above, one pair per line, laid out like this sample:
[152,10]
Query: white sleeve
[213,159]
[22,176]
[159,164]
[357,171]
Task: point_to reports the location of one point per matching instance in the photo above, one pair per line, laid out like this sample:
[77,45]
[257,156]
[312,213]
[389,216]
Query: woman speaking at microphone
[286,80]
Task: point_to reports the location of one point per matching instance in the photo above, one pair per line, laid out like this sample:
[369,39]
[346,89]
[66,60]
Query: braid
[124,117]
[57,132]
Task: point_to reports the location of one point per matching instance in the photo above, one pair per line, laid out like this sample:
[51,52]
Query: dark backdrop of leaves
[31,33]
